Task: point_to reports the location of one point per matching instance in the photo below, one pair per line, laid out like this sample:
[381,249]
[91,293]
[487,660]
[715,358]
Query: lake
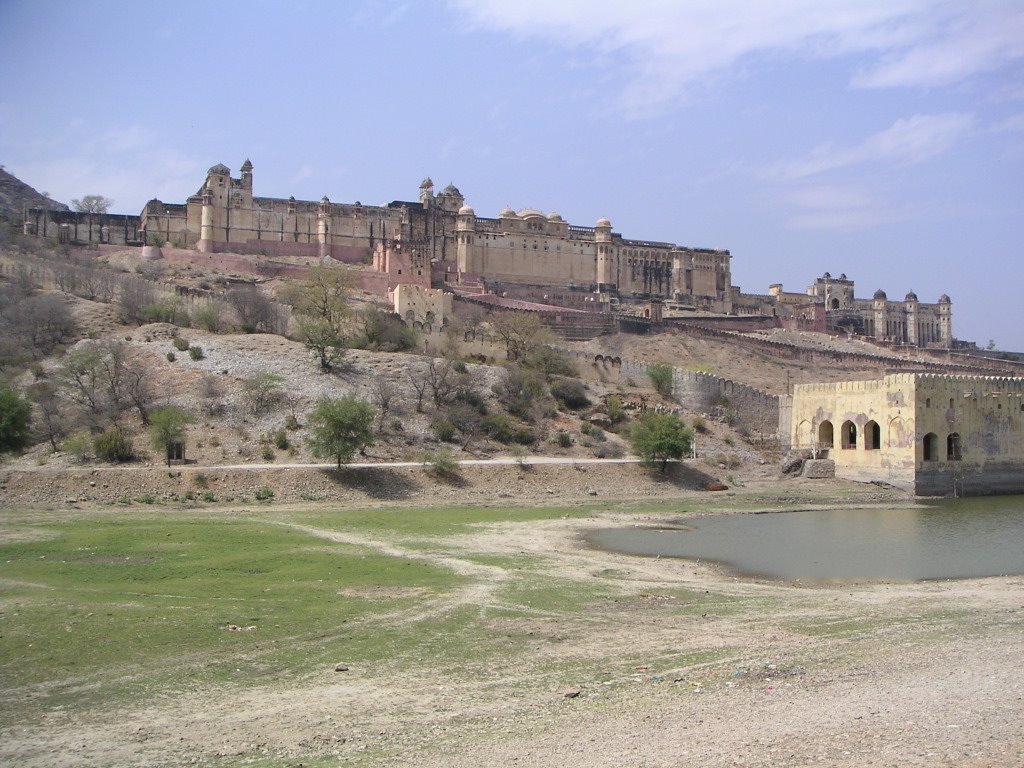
[947,539]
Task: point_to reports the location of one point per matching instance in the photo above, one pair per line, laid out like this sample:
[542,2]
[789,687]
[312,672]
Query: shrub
[146,498]
[570,393]
[264,494]
[281,439]
[660,375]
[441,465]
[443,430]
[78,445]
[209,497]
[268,453]
[500,427]
[114,445]
[180,344]
[564,439]
[616,413]
[200,480]
[658,437]
[15,418]
[171,357]
[699,425]
[196,353]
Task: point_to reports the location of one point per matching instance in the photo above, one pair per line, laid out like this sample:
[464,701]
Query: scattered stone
[236,628]
[715,486]
[571,694]
[592,491]
[341,668]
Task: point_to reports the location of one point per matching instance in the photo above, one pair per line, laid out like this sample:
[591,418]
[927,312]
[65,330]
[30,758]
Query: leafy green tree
[660,375]
[167,426]
[263,391]
[658,437]
[15,418]
[340,427]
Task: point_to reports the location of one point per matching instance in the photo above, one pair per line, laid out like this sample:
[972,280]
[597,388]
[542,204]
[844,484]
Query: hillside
[16,195]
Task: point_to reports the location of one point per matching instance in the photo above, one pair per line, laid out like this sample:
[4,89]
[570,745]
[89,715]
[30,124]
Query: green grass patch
[126,598]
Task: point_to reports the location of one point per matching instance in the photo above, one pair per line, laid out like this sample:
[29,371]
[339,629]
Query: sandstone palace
[526,256]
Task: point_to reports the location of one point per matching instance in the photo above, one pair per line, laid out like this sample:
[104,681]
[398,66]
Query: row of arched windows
[872,438]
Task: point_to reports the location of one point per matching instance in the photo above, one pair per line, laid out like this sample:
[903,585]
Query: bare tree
[384,395]
[419,385]
[92,204]
[212,389]
[67,277]
[82,382]
[127,378]
[42,323]
[521,332]
[135,296]
[442,380]
[51,422]
[257,313]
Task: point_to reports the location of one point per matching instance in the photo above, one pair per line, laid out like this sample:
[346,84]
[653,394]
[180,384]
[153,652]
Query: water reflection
[953,539]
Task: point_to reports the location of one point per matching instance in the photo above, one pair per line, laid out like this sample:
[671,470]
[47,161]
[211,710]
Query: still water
[950,539]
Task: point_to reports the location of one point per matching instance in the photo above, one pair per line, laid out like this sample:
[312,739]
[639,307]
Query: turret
[910,307]
[465,227]
[606,280]
[946,320]
[880,300]
[205,243]
[247,175]
[323,229]
[426,192]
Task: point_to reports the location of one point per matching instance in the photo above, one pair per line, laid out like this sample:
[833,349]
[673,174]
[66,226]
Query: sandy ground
[896,674]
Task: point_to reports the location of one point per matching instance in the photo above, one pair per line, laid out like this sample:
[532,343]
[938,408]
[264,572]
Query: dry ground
[678,664]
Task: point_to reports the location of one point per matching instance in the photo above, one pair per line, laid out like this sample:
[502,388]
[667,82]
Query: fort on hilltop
[525,258]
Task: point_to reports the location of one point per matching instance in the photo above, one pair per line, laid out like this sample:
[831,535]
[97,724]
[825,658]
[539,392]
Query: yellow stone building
[928,433]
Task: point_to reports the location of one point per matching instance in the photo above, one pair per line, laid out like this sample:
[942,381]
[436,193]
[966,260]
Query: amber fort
[585,279]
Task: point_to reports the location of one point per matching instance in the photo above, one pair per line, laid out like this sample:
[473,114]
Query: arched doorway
[825,434]
[872,436]
[848,435]
[931,447]
[953,448]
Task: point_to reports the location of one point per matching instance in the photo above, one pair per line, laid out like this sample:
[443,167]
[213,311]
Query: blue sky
[880,138]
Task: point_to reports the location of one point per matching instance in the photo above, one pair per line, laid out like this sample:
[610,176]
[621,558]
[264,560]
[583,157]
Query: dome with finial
[603,222]
[452,190]
[427,183]
[827,276]
[466,211]
[324,200]
[842,275]
[554,217]
[944,299]
[247,165]
[220,169]
[880,295]
[507,213]
[911,296]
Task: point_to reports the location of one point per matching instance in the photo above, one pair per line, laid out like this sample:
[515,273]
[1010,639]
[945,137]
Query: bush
[570,393]
[281,439]
[660,375]
[563,439]
[441,465]
[264,494]
[443,430]
[78,445]
[15,418]
[196,353]
[114,445]
[658,437]
[616,412]
[179,343]
[699,425]
[171,357]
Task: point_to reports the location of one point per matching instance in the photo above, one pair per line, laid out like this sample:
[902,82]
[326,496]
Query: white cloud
[668,46]
[909,140]
[836,207]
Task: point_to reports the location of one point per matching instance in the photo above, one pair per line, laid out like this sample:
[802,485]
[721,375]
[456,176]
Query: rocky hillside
[16,195]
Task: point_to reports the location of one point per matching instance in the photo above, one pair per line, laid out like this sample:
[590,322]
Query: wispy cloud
[909,140]
[836,207]
[668,46]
